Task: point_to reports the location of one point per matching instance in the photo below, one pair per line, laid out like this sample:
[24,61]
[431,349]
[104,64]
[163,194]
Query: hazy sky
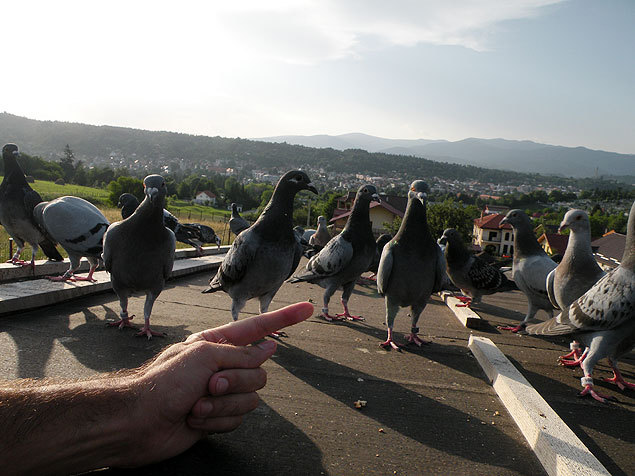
[559,72]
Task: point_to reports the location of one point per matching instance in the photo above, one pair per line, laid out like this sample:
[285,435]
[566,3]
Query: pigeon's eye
[298,178]
[578,218]
[365,190]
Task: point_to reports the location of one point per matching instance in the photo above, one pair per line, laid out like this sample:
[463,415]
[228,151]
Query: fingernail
[206,406]
[222,385]
[267,345]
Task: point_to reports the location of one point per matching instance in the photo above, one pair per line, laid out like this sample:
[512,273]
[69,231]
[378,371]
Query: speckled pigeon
[79,227]
[342,261]
[139,253]
[576,273]
[603,318]
[322,235]
[470,273]
[17,201]
[411,267]
[266,253]
[236,222]
[530,267]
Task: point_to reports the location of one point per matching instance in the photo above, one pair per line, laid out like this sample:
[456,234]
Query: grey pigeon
[576,273]
[128,204]
[139,253]
[530,267]
[237,224]
[473,275]
[381,241]
[266,253]
[202,234]
[79,227]
[322,235]
[17,201]
[603,318]
[342,261]
[411,266]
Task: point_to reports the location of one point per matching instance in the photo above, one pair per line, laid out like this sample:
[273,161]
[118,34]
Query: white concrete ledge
[465,315]
[34,293]
[10,272]
[559,450]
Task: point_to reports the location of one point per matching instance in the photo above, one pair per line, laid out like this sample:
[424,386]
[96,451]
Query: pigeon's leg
[199,250]
[328,292]
[237,306]
[413,338]
[587,381]
[576,352]
[264,307]
[89,277]
[68,275]
[576,362]
[346,294]
[31,264]
[391,312]
[15,259]
[617,378]
[125,319]
[151,296]
[531,312]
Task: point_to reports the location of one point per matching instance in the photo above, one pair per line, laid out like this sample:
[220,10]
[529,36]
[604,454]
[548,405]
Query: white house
[205,198]
[487,232]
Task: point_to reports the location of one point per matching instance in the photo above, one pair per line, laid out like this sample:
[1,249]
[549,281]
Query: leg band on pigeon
[586,381]
[574,346]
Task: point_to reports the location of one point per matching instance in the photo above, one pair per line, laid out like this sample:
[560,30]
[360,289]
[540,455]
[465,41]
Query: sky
[559,72]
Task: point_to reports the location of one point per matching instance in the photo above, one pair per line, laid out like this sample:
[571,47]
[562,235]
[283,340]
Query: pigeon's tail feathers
[214,285]
[551,327]
[48,247]
[294,279]
[210,289]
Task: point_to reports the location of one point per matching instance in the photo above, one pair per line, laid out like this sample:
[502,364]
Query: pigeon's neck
[579,249]
[525,243]
[628,259]
[150,213]
[13,173]
[360,216]
[456,252]
[279,209]
[414,226]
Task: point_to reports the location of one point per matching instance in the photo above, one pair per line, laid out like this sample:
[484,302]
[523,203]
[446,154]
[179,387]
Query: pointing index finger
[251,329]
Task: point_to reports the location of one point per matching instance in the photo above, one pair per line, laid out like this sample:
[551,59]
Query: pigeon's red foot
[199,251]
[390,344]
[464,304]
[121,323]
[588,390]
[330,318]
[146,331]
[464,298]
[348,316]
[618,380]
[27,264]
[575,353]
[278,334]
[571,363]
[413,338]
[518,328]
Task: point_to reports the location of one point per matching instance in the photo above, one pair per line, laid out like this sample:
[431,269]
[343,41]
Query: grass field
[186,213]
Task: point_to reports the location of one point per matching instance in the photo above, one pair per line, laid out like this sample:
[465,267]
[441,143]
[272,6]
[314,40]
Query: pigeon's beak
[563,226]
[503,221]
[375,198]
[442,241]
[312,188]
[152,192]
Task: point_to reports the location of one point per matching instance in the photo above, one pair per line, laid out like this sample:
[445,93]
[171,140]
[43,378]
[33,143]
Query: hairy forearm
[53,427]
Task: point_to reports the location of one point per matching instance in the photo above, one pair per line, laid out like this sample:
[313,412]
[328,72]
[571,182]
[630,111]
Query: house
[609,249]
[553,243]
[205,198]
[380,213]
[489,236]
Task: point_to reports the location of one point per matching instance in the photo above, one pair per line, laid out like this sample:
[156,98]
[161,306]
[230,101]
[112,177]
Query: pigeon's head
[575,220]
[419,190]
[127,199]
[450,235]
[9,150]
[234,208]
[298,180]
[369,193]
[321,221]
[154,187]
[515,218]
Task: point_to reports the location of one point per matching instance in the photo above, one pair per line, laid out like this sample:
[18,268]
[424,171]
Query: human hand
[205,384]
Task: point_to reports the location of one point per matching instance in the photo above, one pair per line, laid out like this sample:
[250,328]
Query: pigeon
[470,273]
[139,253]
[576,273]
[128,204]
[266,253]
[342,261]
[374,264]
[79,227]
[603,319]
[17,201]
[192,234]
[411,266]
[530,267]
[236,222]
[321,236]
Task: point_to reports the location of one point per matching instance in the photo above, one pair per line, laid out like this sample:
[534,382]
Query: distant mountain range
[520,156]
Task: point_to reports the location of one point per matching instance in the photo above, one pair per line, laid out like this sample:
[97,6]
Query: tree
[68,164]
[125,185]
[451,214]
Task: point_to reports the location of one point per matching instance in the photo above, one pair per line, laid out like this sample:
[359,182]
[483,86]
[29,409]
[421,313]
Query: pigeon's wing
[330,260]
[110,243]
[169,262]
[484,276]
[31,199]
[608,304]
[532,274]
[550,288]
[297,255]
[239,256]
[384,269]
[439,269]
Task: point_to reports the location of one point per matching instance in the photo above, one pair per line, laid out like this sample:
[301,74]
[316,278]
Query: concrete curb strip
[465,315]
[559,450]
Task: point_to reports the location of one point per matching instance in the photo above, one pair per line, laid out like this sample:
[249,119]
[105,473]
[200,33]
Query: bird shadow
[405,411]
[249,450]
